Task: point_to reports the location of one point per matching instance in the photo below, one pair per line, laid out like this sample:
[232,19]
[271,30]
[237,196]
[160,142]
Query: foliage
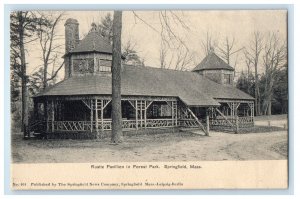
[279,99]
[105,27]
[246,83]
[129,53]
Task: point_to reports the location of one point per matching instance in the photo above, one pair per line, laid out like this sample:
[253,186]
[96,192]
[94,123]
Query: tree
[22,27]
[48,37]
[105,27]
[116,79]
[129,53]
[163,54]
[227,50]
[209,44]
[174,53]
[246,83]
[252,56]
[280,91]
[274,58]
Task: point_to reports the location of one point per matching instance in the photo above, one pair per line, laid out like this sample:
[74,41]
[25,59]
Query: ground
[262,143]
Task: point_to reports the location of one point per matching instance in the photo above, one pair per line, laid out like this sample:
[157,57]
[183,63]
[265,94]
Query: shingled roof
[193,89]
[93,42]
[212,62]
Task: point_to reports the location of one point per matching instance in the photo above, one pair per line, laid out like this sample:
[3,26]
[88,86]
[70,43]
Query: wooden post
[145,113]
[252,113]
[102,110]
[136,116]
[237,124]
[207,123]
[46,115]
[172,112]
[141,113]
[91,115]
[35,110]
[96,116]
[236,118]
[52,116]
[176,113]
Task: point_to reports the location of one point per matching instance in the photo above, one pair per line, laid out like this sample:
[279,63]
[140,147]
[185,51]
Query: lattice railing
[221,122]
[106,125]
[246,122]
[158,123]
[188,123]
[243,122]
[129,124]
[70,125]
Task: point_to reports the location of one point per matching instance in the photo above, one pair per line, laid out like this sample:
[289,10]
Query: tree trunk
[45,75]
[257,94]
[116,79]
[270,108]
[24,77]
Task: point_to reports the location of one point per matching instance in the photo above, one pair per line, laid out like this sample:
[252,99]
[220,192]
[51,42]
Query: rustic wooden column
[252,112]
[172,112]
[176,113]
[237,124]
[46,115]
[102,127]
[91,115]
[145,113]
[35,110]
[236,106]
[141,113]
[136,116]
[52,116]
[96,116]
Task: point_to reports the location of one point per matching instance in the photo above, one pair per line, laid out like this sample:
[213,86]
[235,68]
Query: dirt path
[160,147]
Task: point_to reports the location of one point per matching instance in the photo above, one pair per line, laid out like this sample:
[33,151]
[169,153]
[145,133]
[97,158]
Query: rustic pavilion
[203,98]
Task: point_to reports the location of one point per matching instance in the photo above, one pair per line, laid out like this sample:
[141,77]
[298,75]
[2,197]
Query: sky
[238,24]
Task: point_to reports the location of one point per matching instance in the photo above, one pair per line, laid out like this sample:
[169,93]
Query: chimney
[71,41]
[71,34]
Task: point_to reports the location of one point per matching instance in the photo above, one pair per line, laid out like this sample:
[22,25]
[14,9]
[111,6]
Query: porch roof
[192,88]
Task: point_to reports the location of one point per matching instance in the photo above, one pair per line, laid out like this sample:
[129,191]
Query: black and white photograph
[159,86]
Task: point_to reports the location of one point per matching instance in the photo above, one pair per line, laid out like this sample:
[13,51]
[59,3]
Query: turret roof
[212,62]
[93,42]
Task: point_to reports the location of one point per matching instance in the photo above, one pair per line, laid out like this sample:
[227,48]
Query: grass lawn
[271,117]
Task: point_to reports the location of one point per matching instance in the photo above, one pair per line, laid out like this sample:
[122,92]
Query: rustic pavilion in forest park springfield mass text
[80,105]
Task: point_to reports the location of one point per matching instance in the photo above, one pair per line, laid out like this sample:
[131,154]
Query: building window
[104,65]
[227,79]
[83,65]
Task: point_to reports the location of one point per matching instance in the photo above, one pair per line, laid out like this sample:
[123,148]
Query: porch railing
[246,122]
[77,126]
[190,123]
[70,125]
[159,123]
[243,122]
[81,126]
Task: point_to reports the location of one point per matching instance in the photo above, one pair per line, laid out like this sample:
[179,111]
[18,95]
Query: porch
[92,114]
